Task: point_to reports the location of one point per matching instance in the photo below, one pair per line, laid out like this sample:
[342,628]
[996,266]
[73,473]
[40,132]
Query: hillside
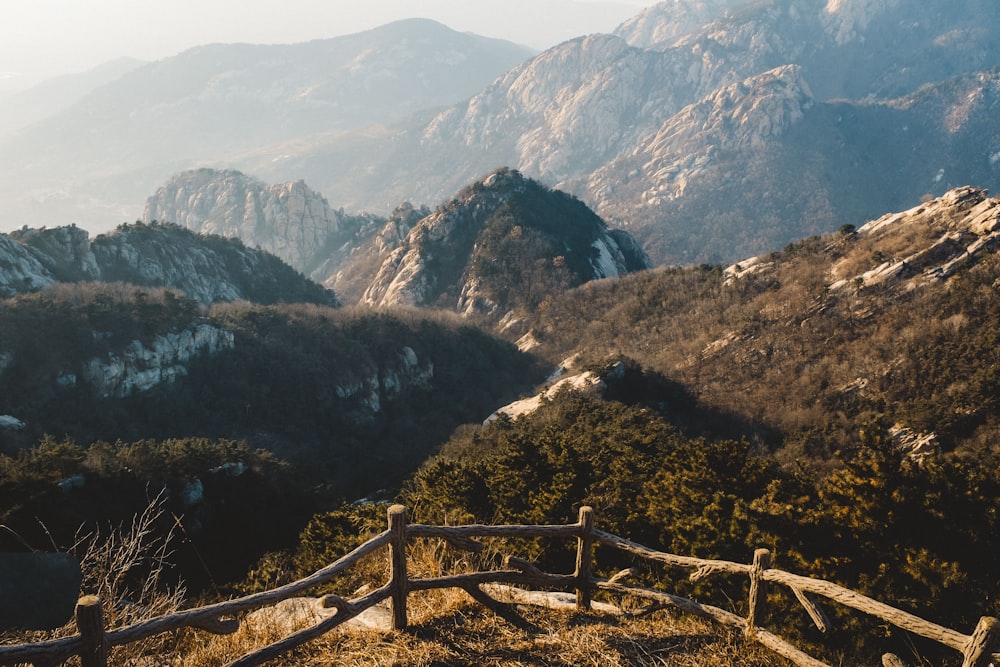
[833,401]
[147,390]
[205,268]
[110,149]
[496,249]
[795,106]
[499,248]
[889,323]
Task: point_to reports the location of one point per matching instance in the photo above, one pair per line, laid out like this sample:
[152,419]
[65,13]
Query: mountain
[710,130]
[205,268]
[887,324]
[289,220]
[501,244]
[214,101]
[53,96]
[501,247]
[635,130]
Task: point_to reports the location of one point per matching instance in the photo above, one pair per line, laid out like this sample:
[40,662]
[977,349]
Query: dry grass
[468,634]
[449,629]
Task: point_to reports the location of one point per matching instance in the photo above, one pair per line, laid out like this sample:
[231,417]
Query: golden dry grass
[449,629]
[469,634]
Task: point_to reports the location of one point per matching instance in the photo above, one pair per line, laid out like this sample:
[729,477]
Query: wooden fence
[94,639]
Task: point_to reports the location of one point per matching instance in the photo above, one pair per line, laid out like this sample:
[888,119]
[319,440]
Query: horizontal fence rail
[93,642]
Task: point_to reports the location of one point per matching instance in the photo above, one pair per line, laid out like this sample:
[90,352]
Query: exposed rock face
[20,270]
[207,269]
[65,251]
[716,134]
[846,20]
[494,244]
[568,110]
[385,383]
[288,220]
[586,381]
[661,24]
[140,367]
[946,232]
[213,102]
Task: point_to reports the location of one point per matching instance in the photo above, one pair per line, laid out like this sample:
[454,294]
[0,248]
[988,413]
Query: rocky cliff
[141,366]
[503,244]
[601,116]
[205,268]
[289,220]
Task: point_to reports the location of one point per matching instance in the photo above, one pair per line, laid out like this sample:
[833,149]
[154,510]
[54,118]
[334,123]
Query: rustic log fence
[94,641]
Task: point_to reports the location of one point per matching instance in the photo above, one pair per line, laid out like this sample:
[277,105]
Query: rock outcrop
[289,220]
[502,244]
[142,366]
[930,241]
[206,268]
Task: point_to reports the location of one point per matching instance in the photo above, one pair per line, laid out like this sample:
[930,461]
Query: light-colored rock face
[703,138]
[847,19]
[664,22]
[142,366]
[940,235]
[385,383]
[568,110]
[288,220]
[20,271]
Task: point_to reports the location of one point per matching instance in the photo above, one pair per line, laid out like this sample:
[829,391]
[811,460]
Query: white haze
[40,39]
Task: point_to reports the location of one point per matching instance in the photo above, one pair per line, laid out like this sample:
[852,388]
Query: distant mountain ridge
[218,100]
[583,115]
[205,268]
[502,243]
[48,98]
[711,130]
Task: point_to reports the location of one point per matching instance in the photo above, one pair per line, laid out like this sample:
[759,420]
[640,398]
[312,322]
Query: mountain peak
[501,245]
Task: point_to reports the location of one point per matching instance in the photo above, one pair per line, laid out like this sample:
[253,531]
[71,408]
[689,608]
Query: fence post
[584,558]
[977,652]
[758,589]
[90,623]
[398,582]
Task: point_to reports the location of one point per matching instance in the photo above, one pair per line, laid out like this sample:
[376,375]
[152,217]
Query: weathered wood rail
[93,642]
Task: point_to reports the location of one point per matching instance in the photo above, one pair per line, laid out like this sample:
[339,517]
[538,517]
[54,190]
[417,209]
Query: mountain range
[93,162]
[710,130]
[820,114]
[498,247]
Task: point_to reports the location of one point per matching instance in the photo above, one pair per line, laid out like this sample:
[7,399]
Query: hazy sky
[43,38]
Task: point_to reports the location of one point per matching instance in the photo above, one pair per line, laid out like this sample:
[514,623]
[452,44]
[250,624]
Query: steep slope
[663,23]
[357,398]
[216,100]
[894,323]
[502,246]
[51,97]
[288,220]
[205,268]
[761,163]
[606,121]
